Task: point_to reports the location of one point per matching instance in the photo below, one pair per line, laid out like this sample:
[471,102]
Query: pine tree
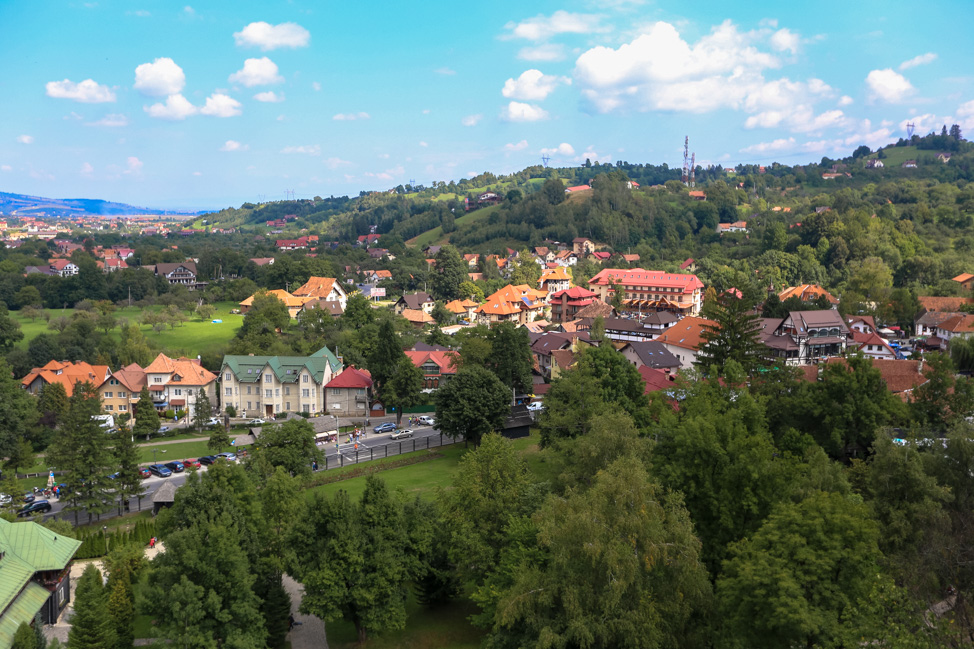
[276,608]
[203,411]
[385,355]
[91,626]
[146,417]
[448,274]
[24,638]
[52,404]
[121,606]
[129,480]
[733,336]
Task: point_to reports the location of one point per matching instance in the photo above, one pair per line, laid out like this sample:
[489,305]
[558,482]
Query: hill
[25,205]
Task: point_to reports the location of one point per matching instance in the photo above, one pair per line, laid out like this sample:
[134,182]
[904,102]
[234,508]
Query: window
[268,393]
[123,408]
[229,392]
[157,379]
[248,389]
[360,391]
[287,405]
[108,395]
[123,395]
[304,379]
[306,392]
[227,376]
[267,378]
[108,408]
[178,392]
[277,392]
[248,405]
[336,391]
[287,391]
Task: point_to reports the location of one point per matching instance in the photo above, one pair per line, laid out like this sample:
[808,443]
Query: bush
[305,414]
[180,414]
[230,410]
[280,415]
[169,414]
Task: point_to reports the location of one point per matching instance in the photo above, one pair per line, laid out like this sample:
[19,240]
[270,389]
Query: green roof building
[34,575]
[263,386]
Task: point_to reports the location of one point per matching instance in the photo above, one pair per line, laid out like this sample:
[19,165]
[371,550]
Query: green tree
[202,411]
[794,582]
[205,312]
[470,291]
[405,388]
[18,413]
[28,296]
[290,445]
[597,333]
[472,404]
[358,312]
[621,568]
[386,355]
[282,505]
[944,399]
[442,315]
[120,607]
[10,333]
[572,405]
[24,638]
[219,439]
[510,357]
[734,335]
[353,559]
[129,481]
[146,417]
[448,273]
[52,404]
[91,625]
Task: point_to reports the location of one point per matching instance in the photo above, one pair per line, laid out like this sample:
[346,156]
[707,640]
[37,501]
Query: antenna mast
[544,160]
[693,167]
[686,161]
[910,127]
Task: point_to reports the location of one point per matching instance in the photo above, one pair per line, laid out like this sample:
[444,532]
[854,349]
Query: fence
[348,456]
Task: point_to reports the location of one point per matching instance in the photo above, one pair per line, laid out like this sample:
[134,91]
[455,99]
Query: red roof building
[651,290]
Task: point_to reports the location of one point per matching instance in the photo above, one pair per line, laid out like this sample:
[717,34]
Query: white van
[107,422]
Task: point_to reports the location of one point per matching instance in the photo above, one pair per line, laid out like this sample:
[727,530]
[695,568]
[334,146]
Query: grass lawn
[182,450]
[430,237]
[443,626]
[190,338]
[897,155]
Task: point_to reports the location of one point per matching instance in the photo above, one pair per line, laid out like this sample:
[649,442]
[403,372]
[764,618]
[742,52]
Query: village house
[183,273]
[63,267]
[582,246]
[958,326]
[462,309]
[650,290]
[650,353]
[349,393]
[805,337]
[67,373]
[935,310]
[808,294]
[519,304]
[659,321]
[120,391]
[966,280]
[438,367]
[328,289]
[176,383]
[736,226]
[872,345]
[418,301]
[554,279]
[619,329]
[549,352]
[263,386]
[293,303]
[684,339]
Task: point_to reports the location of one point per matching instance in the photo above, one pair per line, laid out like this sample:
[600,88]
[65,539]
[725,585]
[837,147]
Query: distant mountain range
[24,205]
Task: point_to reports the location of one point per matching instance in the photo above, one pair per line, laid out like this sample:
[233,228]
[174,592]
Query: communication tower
[544,160]
[693,167]
[910,127]
[686,161]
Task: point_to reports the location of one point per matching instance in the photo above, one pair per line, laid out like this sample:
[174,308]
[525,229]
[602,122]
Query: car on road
[387,427]
[229,457]
[175,466]
[36,507]
[5,499]
[160,470]
[145,472]
[164,429]
[256,421]
[426,420]
[401,434]
[191,463]
[206,460]
[213,421]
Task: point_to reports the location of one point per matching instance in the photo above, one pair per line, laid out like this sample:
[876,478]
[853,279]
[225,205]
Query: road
[347,452]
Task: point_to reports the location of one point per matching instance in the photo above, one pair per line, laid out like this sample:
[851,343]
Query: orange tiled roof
[959,324]
[443,360]
[499,307]
[687,333]
[948,304]
[189,371]
[288,299]
[559,273]
[315,287]
[806,293]
[963,277]
[417,316]
[68,374]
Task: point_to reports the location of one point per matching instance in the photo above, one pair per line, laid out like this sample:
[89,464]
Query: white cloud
[445,71]
[785,40]
[520,112]
[542,27]
[221,105]
[133,166]
[768,147]
[519,146]
[160,78]
[112,120]
[965,115]
[271,37]
[315,86]
[257,72]
[269,97]
[388,174]
[350,117]
[543,52]
[176,108]
[564,149]
[6,168]
[845,100]
[86,169]
[233,145]
[889,86]
[471,120]
[25,139]
[423,144]
[532,85]
[306,149]
[72,115]
[922,59]
[197,173]
[86,92]
[141,13]
[335,163]
[189,11]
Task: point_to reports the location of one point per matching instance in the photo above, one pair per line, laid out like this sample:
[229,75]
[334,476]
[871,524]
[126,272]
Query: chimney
[920,366]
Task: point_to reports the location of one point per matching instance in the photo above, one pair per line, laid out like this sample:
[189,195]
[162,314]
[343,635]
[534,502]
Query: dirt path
[310,633]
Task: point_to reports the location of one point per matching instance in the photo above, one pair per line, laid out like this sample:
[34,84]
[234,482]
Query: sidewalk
[310,633]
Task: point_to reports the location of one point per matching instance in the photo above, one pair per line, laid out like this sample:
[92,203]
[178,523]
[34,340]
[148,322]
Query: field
[897,155]
[434,236]
[190,339]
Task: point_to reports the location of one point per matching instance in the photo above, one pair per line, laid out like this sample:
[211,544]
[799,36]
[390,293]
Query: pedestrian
[314,465]
[152,543]
[290,622]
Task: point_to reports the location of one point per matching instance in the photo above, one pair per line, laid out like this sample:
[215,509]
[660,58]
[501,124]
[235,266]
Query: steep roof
[165,269]
[595,309]
[557,274]
[656,380]
[288,299]
[443,359]
[959,324]
[416,300]
[352,377]
[68,374]
[417,316]
[287,369]
[189,371]
[900,376]
[944,303]
[132,377]
[687,333]
[319,287]
[806,293]
[652,354]
[963,277]
[573,293]
[641,277]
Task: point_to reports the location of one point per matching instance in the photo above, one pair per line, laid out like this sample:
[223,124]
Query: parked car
[535,406]
[160,470]
[191,463]
[164,429]
[426,420]
[114,476]
[36,507]
[229,457]
[256,421]
[175,466]
[206,460]
[401,434]
[29,497]
[214,421]
[5,499]
[387,427]
[145,472]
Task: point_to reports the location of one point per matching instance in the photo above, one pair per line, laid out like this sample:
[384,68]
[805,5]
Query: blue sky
[213,104]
